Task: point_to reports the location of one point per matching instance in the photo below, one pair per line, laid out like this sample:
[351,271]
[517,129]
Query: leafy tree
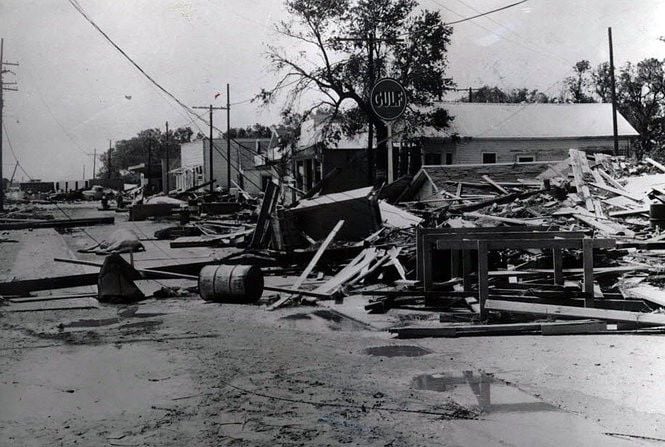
[578,86]
[135,150]
[334,67]
[641,99]
[255,131]
[518,95]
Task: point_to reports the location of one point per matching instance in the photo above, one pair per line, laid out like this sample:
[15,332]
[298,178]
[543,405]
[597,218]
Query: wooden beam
[587,265]
[650,319]
[483,277]
[310,266]
[498,187]
[655,164]
[618,192]
[545,328]
[58,223]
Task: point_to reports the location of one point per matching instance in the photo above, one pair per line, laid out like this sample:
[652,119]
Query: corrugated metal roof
[495,120]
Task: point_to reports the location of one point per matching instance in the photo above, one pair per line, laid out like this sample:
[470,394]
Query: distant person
[105,202]
[120,201]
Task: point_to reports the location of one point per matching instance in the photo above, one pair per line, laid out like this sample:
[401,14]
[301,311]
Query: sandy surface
[186,372]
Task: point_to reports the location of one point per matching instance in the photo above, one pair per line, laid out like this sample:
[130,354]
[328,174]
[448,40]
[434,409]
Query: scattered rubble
[492,248]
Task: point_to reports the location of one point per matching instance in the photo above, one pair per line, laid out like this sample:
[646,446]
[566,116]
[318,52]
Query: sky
[76,92]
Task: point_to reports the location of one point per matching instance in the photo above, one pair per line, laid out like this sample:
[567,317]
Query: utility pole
[228,140]
[167,158]
[3,87]
[108,173]
[148,170]
[614,94]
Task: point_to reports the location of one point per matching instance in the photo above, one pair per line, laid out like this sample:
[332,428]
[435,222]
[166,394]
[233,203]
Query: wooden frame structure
[464,242]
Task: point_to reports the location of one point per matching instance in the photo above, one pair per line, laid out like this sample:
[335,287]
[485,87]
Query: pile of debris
[491,249]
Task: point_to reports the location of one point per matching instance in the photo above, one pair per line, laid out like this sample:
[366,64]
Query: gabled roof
[537,120]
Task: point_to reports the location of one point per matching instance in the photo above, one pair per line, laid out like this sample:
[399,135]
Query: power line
[486,13]
[11,148]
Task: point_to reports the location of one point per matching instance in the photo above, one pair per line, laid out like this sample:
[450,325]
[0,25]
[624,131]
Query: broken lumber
[655,164]
[498,187]
[310,266]
[544,328]
[651,319]
[59,223]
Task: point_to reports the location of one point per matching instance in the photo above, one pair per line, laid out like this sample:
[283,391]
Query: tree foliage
[641,99]
[517,95]
[579,85]
[134,151]
[334,71]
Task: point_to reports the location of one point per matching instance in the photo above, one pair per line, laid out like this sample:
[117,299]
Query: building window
[489,158]
[525,158]
[449,158]
[432,159]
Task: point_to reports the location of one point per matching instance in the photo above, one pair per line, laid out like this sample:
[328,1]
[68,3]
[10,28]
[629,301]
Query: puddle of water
[397,351]
[481,391]
[91,322]
[321,320]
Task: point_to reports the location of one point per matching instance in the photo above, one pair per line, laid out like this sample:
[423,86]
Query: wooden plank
[483,278]
[500,243]
[587,265]
[349,271]
[545,328]
[574,328]
[267,207]
[498,187]
[655,164]
[645,292]
[557,264]
[507,220]
[44,309]
[53,298]
[643,210]
[580,312]
[618,192]
[310,266]
[609,180]
[58,223]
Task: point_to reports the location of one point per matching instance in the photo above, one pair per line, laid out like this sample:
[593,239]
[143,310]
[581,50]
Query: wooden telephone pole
[4,87]
[228,140]
[166,180]
[614,95]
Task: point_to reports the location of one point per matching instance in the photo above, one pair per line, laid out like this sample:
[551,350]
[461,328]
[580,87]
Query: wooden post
[427,264]
[483,277]
[587,263]
[557,263]
[466,269]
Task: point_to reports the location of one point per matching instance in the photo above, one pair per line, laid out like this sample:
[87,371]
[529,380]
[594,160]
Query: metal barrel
[657,215]
[231,283]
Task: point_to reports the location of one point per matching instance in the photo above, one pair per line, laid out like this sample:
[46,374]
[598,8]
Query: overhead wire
[11,148]
[487,13]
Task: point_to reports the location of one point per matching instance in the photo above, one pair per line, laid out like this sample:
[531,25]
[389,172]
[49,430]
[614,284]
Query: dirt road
[186,372]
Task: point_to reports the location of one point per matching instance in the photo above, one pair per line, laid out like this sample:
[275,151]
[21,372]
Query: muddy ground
[180,371]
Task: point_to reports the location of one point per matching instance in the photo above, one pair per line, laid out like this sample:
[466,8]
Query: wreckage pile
[493,248]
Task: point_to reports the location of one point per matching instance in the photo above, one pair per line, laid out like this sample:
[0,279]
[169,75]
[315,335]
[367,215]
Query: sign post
[388,102]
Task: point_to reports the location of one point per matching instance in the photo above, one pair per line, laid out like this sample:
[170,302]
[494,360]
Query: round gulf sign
[388,99]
